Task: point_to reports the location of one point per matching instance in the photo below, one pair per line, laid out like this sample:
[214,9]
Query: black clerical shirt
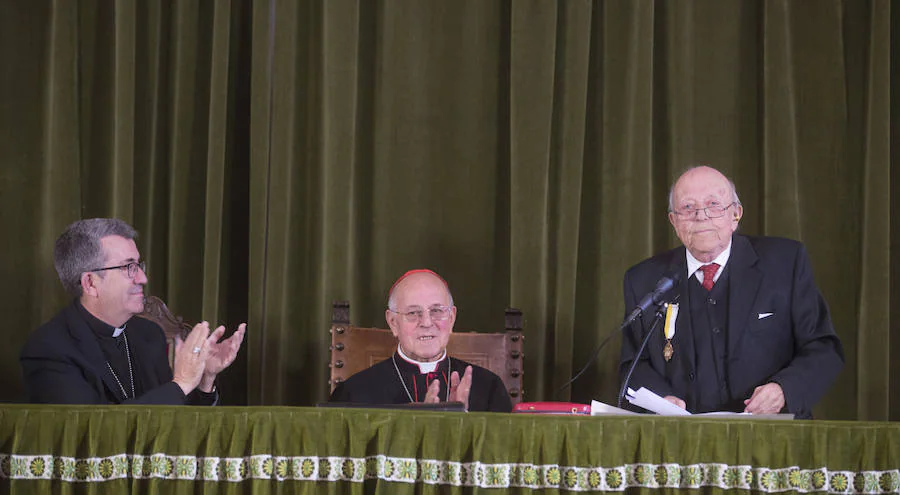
[114,349]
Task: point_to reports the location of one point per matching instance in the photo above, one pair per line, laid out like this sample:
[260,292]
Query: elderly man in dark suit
[751,332]
[96,351]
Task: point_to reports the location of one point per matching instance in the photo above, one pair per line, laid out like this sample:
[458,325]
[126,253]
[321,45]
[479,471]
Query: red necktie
[709,271]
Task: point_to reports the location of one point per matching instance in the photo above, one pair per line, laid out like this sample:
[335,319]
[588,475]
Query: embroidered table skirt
[156,449]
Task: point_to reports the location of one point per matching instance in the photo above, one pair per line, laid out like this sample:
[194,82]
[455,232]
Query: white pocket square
[764,315]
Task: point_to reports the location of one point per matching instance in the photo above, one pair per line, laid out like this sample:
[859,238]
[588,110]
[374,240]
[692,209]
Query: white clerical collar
[423,367]
[118,331]
[693,264]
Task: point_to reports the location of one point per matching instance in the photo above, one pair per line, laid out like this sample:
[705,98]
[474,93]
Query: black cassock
[398,381]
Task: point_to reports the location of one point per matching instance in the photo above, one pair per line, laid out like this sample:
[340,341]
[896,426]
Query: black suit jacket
[794,346]
[62,363]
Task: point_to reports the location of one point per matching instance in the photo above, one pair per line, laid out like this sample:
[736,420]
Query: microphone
[667,282]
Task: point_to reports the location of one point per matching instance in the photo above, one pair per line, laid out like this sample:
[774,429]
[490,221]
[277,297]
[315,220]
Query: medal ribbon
[671,316]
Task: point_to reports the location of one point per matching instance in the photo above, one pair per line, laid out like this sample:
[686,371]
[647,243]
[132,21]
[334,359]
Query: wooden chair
[354,349]
[156,311]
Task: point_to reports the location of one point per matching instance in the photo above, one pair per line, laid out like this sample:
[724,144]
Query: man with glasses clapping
[421,315]
[95,352]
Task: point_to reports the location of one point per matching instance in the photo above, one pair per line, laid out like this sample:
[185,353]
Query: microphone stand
[625,324]
[656,320]
[590,360]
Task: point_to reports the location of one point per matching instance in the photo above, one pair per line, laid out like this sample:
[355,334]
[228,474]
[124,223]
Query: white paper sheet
[600,409]
[652,402]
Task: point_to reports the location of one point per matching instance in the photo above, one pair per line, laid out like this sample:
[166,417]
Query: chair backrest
[173,326]
[354,349]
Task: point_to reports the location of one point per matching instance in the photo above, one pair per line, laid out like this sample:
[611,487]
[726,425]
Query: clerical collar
[423,367]
[98,326]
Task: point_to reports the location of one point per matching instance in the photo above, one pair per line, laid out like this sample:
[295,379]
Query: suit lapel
[86,342]
[684,334]
[744,283]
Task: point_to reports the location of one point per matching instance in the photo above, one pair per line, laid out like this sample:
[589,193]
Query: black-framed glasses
[131,269]
[712,211]
[437,313]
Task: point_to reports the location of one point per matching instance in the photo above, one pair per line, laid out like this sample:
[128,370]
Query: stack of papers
[652,402]
[645,398]
[599,408]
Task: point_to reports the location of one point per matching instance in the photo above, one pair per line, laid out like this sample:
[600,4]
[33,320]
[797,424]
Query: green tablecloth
[113,449]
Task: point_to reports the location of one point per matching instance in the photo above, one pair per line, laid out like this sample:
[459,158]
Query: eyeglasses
[131,269]
[712,211]
[437,313]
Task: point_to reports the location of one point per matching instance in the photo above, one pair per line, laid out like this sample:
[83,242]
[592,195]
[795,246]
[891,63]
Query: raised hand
[190,358]
[220,355]
[459,388]
[433,395]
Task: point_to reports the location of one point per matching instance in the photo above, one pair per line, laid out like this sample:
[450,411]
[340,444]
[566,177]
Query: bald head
[701,169]
[705,210]
[416,278]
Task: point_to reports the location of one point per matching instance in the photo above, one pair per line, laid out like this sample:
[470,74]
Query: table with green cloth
[162,449]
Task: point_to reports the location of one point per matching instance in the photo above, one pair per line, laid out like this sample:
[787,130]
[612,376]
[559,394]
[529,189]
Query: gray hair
[734,194]
[78,249]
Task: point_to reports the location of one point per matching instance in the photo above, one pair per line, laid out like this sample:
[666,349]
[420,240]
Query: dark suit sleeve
[168,393]
[499,397]
[201,398]
[818,354]
[53,378]
[370,386]
[644,375]
[340,394]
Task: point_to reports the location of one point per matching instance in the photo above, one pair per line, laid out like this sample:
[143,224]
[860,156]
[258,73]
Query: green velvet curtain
[276,155]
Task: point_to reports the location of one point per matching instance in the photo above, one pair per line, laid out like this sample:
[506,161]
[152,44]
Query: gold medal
[668,350]
[671,316]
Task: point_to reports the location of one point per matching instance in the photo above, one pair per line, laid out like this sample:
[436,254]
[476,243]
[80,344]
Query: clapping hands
[201,356]
[459,388]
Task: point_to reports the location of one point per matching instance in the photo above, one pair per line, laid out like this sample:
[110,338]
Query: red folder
[552,408]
